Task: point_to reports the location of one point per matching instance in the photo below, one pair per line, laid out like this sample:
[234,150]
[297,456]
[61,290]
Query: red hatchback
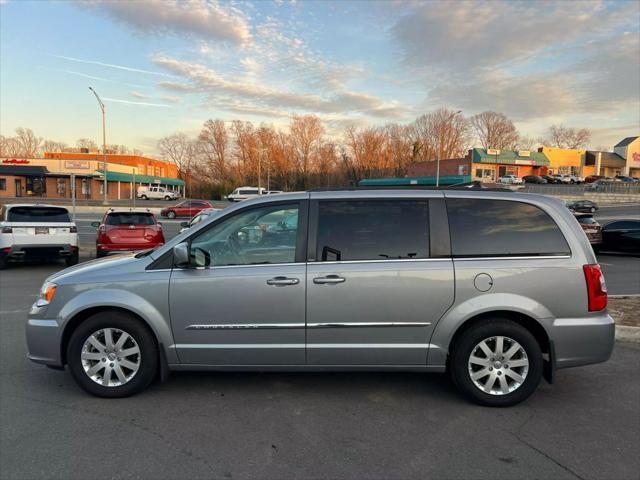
[127,231]
[188,208]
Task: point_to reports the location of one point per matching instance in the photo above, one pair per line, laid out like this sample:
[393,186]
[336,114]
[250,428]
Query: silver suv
[498,289]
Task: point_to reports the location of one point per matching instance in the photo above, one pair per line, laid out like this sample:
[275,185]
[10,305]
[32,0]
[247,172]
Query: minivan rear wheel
[497,363]
[112,354]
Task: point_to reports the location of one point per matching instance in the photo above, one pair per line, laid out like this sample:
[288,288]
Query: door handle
[282,281]
[331,279]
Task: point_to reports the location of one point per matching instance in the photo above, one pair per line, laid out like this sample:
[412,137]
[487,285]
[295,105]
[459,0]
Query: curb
[627,334]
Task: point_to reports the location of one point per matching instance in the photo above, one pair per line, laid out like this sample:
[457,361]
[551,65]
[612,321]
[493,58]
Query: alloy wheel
[110,357]
[498,365]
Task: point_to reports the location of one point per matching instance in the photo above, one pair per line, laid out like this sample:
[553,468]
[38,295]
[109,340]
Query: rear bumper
[583,341]
[24,252]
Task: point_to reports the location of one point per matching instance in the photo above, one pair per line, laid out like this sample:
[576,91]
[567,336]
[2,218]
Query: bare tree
[529,143]
[9,147]
[88,144]
[53,146]
[306,135]
[137,152]
[567,137]
[494,130]
[441,134]
[29,142]
[213,141]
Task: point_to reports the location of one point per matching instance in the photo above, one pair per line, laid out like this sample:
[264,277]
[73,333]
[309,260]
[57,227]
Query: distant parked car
[551,179]
[621,236]
[510,180]
[591,228]
[122,231]
[593,178]
[156,193]
[534,179]
[187,208]
[583,206]
[244,193]
[37,232]
[199,217]
[624,178]
[599,185]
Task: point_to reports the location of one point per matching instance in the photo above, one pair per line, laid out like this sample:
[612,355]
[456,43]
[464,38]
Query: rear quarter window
[38,214]
[502,228]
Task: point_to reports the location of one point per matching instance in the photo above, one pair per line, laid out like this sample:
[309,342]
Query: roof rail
[474,186]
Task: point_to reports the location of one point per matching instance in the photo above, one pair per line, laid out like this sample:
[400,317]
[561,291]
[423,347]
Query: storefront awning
[23,171]
[510,157]
[127,177]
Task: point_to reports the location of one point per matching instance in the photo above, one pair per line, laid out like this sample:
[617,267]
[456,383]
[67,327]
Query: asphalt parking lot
[320,425]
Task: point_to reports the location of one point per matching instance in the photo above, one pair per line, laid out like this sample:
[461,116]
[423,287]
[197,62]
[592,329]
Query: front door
[18,185]
[242,300]
[373,291]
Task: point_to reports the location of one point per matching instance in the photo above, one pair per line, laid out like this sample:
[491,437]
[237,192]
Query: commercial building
[51,177]
[629,149]
[486,165]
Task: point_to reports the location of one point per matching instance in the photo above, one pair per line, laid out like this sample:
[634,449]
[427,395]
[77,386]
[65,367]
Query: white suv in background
[36,231]
[156,193]
[511,180]
[244,193]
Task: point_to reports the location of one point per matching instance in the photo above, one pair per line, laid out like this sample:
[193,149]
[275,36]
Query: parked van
[244,193]
[498,289]
[156,193]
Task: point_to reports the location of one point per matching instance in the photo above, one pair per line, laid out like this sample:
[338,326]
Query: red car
[591,228]
[187,208]
[127,231]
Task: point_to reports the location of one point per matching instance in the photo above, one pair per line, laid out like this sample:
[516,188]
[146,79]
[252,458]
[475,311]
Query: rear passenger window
[499,228]
[372,230]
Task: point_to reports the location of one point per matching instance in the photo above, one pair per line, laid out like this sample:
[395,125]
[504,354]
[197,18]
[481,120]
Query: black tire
[100,254]
[144,197]
[464,346]
[3,263]
[73,259]
[135,328]
[167,198]
[171,214]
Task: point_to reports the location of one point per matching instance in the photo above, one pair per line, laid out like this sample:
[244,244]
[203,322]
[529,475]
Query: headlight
[47,292]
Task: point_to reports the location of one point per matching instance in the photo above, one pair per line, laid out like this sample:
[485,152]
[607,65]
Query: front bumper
[583,341]
[43,341]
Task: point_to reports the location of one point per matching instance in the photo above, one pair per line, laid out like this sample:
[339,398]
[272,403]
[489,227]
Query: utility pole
[259,166]
[438,153]
[104,147]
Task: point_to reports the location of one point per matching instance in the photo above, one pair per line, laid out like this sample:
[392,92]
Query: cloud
[139,95]
[201,79]
[129,102]
[170,98]
[93,77]
[206,19]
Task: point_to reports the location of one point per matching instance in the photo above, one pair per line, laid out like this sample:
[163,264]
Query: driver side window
[265,235]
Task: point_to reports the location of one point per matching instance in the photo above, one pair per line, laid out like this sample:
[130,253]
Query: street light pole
[104,147]
[438,153]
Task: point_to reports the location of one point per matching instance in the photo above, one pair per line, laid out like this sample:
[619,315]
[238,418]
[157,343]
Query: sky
[163,66]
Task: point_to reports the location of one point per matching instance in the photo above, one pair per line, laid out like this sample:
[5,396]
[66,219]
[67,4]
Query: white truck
[156,193]
[37,231]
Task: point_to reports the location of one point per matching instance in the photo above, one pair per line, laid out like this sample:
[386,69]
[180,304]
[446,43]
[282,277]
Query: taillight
[7,230]
[596,288]
[73,229]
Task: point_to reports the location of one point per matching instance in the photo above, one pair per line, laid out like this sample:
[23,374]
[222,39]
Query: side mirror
[159,223]
[184,224]
[95,224]
[181,254]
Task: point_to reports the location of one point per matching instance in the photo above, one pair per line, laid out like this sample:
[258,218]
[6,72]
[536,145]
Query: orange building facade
[144,165]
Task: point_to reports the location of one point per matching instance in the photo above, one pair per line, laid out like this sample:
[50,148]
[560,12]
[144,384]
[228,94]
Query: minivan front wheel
[496,363]
[112,354]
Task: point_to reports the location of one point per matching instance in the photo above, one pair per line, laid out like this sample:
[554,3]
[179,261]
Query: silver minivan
[498,289]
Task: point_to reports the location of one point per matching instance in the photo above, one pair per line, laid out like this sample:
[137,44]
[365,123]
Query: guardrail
[582,189]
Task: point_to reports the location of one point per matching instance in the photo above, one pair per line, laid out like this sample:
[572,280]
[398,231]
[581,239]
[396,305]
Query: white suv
[244,193]
[37,231]
[156,193]
[510,179]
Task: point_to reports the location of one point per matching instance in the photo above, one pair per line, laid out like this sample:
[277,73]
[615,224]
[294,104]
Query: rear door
[378,278]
